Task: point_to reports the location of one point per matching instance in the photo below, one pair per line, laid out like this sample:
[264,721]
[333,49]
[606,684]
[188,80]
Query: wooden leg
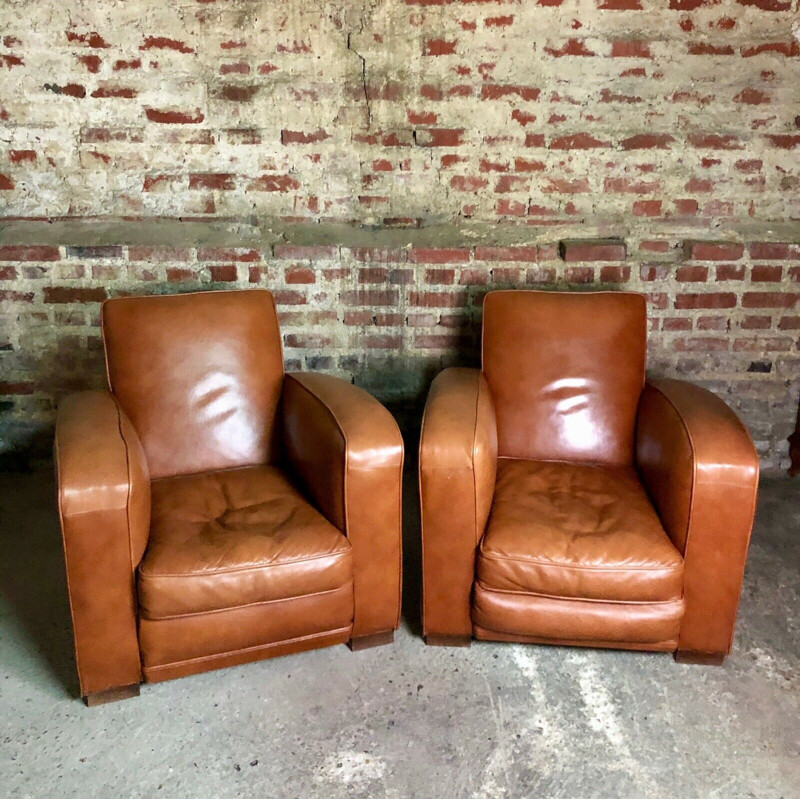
[111,695]
[693,657]
[371,640]
[447,640]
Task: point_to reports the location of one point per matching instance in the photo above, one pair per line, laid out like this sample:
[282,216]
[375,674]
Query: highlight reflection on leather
[199,375]
[562,387]
[620,511]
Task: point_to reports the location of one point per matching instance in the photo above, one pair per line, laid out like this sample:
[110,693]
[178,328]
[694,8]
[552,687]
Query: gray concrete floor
[405,720]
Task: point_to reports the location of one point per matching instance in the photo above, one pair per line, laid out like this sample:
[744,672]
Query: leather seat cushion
[222,540]
[576,531]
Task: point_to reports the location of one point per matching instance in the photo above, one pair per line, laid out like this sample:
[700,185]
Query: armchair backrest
[199,375]
[565,370]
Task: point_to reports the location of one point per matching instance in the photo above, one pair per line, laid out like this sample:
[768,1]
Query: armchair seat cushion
[576,531]
[234,538]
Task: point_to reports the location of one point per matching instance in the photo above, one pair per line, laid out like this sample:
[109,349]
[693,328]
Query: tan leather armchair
[567,501]
[215,511]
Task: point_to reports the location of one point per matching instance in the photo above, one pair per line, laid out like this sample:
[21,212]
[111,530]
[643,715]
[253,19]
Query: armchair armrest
[457,470]
[699,465]
[346,449]
[103,489]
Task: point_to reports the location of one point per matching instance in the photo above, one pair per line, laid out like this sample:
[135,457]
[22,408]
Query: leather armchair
[565,500]
[215,511]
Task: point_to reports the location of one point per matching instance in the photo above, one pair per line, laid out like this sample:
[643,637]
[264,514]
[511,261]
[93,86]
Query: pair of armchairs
[215,510]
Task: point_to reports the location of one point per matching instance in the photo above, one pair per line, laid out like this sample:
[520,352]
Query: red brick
[713,251]
[210,180]
[438,255]
[692,274]
[763,273]
[730,272]
[64,294]
[439,137]
[301,137]
[436,299]
[769,299]
[223,272]
[305,252]
[228,254]
[168,117]
[706,300]
[379,255]
[630,48]
[439,47]
[20,252]
[615,274]
[579,274]
[577,141]
[523,253]
[774,251]
[165,43]
[370,297]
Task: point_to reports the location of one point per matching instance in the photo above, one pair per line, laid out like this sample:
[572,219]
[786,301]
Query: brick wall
[380,164]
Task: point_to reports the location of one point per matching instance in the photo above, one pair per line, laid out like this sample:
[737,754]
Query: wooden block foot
[111,695]
[693,657]
[447,640]
[371,640]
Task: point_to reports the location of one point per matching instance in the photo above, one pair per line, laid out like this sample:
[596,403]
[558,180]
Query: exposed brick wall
[380,164]
[724,314]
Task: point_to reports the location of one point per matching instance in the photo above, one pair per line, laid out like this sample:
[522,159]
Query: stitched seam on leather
[249,649]
[128,526]
[556,565]
[250,605]
[474,447]
[254,567]
[420,470]
[66,564]
[493,590]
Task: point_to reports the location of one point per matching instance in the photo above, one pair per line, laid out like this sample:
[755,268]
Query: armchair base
[111,695]
[447,640]
[693,657]
[370,640]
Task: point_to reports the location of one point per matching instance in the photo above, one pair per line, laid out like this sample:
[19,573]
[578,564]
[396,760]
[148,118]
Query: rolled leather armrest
[347,451]
[104,507]
[457,471]
[700,468]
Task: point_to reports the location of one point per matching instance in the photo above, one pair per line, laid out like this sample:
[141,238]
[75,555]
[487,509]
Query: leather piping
[557,565]
[209,573]
[248,605]
[492,590]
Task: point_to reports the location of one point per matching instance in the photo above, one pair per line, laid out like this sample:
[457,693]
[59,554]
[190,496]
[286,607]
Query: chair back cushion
[565,370]
[199,375]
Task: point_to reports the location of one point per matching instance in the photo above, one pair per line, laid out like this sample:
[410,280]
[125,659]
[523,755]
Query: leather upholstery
[251,552]
[565,370]
[576,531]
[583,621]
[700,467]
[347,452]
[620,513]
[104,508]
[239,537]
[199,375]
[457,463]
